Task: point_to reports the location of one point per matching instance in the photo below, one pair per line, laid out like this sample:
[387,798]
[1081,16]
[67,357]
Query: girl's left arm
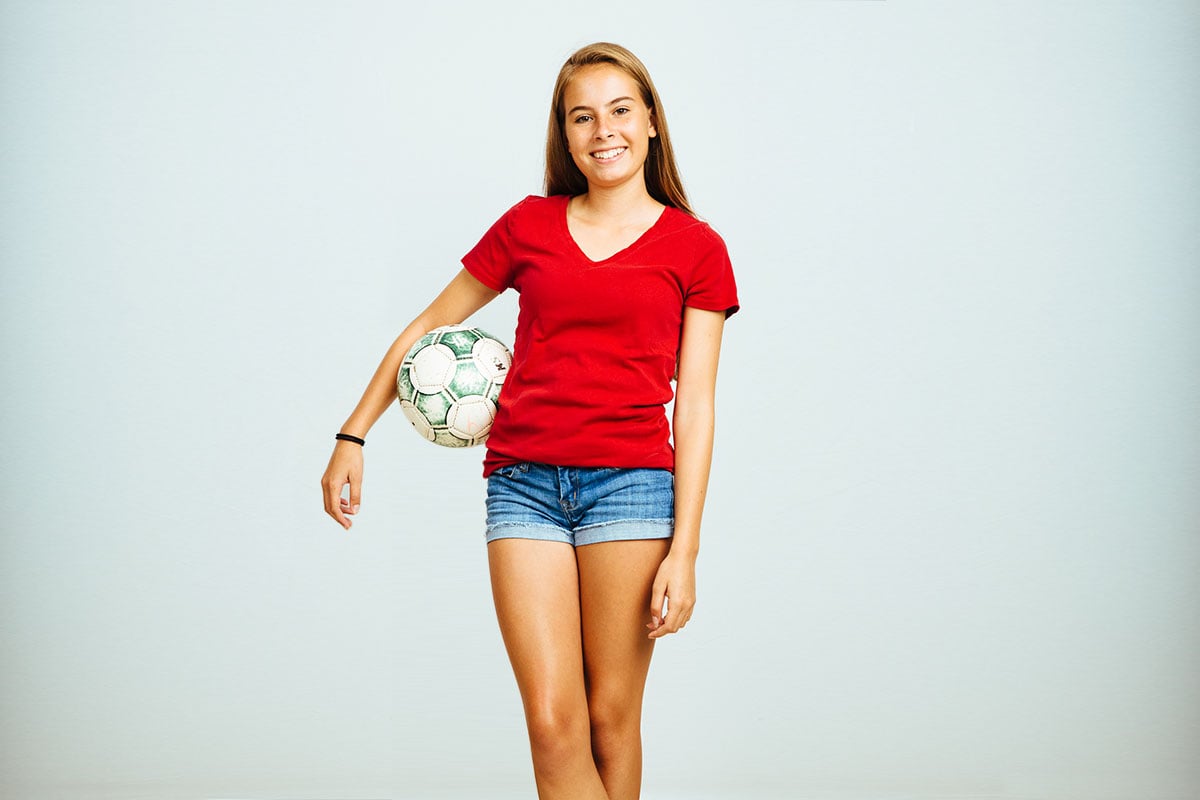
[692,429]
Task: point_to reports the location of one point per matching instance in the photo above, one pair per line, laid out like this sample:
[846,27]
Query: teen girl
[593,518]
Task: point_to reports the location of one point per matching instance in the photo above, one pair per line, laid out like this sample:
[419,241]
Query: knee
[615,724]
[557,731]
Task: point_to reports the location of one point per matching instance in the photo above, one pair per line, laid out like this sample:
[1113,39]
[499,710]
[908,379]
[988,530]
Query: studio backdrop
[951,543]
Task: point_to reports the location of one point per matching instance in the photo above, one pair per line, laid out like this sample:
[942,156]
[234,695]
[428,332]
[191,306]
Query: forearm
[461,298]
[381,391]
[693,433]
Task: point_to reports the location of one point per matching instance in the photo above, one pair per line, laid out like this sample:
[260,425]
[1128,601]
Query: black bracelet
[345,437]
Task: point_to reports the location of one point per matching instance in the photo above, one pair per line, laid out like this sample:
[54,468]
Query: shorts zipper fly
[568,491]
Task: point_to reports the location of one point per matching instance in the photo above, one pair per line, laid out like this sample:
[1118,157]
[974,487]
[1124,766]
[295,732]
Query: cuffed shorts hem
[616,531]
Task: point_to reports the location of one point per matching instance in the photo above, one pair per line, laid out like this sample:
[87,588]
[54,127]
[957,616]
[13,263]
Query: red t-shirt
[596,341]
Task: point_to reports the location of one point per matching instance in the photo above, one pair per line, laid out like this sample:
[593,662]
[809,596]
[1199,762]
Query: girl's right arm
[461,298]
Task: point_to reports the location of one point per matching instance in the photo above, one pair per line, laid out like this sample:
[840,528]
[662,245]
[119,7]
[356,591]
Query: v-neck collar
[566,229]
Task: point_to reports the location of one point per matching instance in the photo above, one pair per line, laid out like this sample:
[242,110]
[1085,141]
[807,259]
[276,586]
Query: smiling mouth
[608,155]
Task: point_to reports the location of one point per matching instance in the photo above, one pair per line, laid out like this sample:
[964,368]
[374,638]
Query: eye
[583,118]
[621,110]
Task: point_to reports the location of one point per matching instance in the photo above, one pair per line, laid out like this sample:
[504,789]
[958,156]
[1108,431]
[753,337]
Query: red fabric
[596,342]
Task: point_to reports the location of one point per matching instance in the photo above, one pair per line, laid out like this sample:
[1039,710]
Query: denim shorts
[579,505]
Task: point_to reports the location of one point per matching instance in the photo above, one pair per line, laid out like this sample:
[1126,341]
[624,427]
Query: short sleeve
[490,261]
[712,286]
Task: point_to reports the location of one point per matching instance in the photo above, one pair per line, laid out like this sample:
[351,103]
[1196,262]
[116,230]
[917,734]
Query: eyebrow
[610,102]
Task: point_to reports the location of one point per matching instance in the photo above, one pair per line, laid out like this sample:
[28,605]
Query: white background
[952,544]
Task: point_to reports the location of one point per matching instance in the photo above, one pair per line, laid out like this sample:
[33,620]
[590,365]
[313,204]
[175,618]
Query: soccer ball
[449,384]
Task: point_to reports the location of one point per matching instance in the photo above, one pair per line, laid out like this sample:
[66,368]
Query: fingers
[678,614]
[355,492]
[658,600]
[335,505]
[345,467]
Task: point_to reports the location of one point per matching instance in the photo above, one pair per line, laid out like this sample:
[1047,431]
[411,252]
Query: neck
[629,198]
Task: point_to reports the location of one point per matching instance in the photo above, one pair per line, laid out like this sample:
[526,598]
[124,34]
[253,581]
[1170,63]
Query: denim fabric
[579,505]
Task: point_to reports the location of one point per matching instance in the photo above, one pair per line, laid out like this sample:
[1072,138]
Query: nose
[602,131]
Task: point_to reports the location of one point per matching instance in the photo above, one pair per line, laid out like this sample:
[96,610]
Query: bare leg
[535,585]
[615,579]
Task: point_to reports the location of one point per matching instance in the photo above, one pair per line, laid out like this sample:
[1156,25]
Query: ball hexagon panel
[492,359]
[432,368]
[449,384]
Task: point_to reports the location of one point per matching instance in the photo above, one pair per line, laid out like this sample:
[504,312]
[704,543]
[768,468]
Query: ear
[653,130]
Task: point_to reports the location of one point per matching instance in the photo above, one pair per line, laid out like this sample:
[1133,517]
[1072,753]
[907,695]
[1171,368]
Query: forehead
[595,85]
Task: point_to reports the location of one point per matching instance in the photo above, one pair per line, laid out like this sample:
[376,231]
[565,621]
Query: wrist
[684,551]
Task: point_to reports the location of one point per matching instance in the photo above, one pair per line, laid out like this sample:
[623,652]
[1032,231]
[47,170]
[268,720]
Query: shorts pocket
[511,471]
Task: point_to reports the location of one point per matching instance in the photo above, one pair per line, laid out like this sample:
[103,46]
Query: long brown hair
[563,177]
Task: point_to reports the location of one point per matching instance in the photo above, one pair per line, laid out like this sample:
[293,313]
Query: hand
[674,587]
[345,467]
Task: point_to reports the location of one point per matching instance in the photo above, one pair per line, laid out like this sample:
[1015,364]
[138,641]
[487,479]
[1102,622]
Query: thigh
[615,579]
[535,585]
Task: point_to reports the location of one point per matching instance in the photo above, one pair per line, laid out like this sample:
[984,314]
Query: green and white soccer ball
[449,384]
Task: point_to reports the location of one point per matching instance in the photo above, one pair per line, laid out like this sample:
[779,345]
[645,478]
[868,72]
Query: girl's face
[608,126]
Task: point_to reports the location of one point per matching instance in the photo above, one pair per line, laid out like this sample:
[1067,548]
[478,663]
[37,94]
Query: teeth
[604,155]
